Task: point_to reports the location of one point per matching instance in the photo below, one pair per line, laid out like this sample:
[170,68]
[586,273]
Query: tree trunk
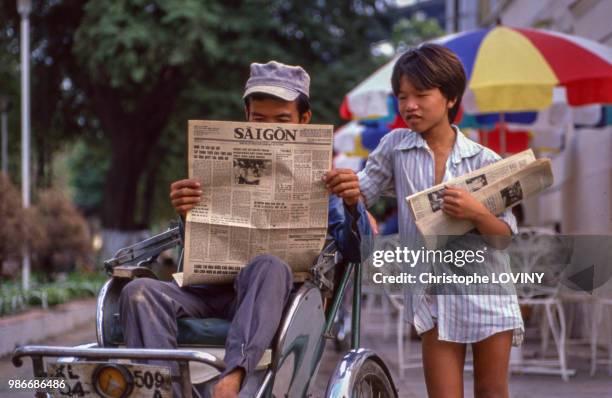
[133,136]
[128,163]
[122,225]
[150,186]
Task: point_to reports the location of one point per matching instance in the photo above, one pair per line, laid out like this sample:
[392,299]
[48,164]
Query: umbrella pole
[485,138]
[502,135]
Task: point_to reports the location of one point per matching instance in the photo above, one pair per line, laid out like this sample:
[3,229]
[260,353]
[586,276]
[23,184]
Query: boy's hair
[303,105]
[432,66]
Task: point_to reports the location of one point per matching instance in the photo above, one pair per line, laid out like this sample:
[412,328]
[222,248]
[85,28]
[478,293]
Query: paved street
[84,334]
[521,386]
[412,386]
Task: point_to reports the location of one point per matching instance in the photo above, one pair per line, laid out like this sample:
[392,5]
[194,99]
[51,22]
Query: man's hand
[459,203]
[344,183]
[184,195]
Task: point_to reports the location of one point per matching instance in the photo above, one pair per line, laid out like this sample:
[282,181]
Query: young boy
[429,82]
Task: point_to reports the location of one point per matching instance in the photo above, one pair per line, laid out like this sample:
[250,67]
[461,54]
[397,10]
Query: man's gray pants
[149,308]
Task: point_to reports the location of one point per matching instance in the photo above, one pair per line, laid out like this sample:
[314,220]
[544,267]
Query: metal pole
[356,326]
[25,129]
[503,147]
[456,16]
[338,296]
[4,142]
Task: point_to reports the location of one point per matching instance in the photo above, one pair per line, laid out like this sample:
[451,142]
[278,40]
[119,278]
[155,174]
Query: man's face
[275,111]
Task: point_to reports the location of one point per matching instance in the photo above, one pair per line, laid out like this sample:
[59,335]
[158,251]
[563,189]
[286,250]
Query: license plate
[88,379]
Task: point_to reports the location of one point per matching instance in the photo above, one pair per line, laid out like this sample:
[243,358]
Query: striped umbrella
[509,70]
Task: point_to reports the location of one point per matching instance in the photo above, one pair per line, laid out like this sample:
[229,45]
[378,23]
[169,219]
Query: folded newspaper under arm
[498,186]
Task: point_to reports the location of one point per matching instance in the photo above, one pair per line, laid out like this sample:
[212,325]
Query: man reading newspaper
[275,93]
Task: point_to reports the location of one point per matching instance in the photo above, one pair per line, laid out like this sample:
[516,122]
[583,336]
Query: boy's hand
[373,223]
[459,203]
[344,183]
[184,195]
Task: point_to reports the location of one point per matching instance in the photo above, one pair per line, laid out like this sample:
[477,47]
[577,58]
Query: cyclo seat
[208,332]
[194,334]
[191,332]
[203,332]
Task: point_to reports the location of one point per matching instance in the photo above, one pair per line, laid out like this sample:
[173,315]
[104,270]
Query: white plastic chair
[406,359]
[376,302]
[602,312]
[534,250]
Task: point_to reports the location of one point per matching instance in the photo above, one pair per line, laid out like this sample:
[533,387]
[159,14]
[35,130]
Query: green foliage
[58,107]
[9,88]
[88,163]
[408,33]
[77,285]
[136,40]
[333,46]
[131,73]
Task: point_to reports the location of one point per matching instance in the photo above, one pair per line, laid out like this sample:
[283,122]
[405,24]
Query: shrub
[77,285]
[11,227]
[68,240]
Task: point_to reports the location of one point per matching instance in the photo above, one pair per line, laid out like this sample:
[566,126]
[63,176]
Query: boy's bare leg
[491,362]
[443,366]
[229,386]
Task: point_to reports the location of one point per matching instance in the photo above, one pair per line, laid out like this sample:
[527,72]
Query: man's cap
[279,80]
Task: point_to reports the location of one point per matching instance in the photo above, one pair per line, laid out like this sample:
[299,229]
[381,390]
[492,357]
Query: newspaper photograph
[262,193]
[522,180]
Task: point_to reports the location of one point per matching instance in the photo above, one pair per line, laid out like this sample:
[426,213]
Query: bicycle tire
[372,382]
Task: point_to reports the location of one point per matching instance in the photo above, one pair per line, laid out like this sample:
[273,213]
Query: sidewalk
[413,385]
[85,333]
[38,324]
[521,386]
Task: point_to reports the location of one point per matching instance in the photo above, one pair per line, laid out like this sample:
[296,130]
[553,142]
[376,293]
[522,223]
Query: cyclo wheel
[372,382]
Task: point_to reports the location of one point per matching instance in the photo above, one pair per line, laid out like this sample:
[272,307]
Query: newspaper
[498,186]
[262,193]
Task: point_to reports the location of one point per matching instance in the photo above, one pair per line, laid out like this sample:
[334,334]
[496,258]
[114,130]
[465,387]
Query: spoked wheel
[372,382]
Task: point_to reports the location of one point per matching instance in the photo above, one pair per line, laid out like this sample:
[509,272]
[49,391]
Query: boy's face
[275,111]
[422,110]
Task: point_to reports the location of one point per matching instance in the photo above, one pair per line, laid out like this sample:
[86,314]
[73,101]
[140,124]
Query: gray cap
[279,80]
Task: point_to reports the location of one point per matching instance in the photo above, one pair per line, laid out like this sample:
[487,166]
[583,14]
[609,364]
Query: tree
[411,32]
[9,88]
[134,71]
[193,57]
[59,110]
